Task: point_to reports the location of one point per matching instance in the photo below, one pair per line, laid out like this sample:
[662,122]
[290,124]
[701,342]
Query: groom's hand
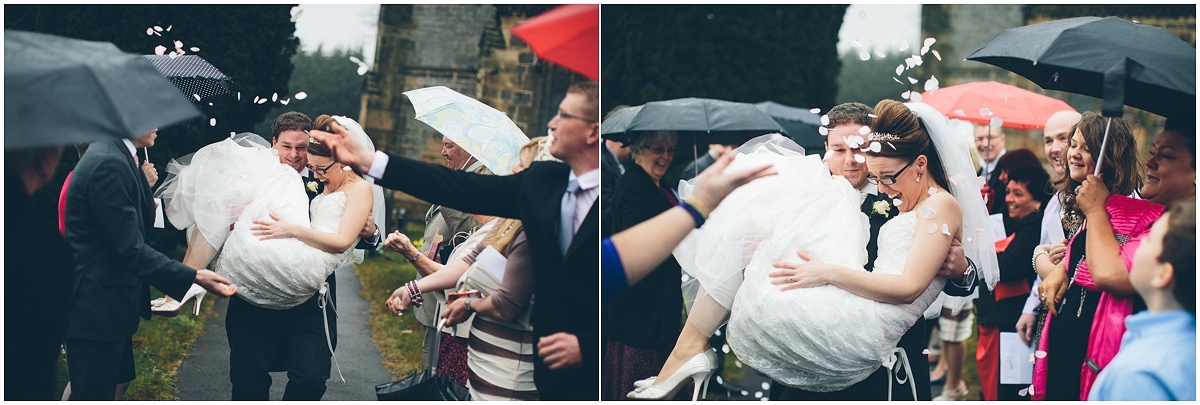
[214,283]
[560,350]
[345,146]
[956,262]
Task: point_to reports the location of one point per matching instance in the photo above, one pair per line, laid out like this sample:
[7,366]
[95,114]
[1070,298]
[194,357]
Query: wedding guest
[640,326]
[109,211]
[990,142]
[1092,286]
[565,281]
[612,167]
[998,309]
[1157,360]
[1171,168]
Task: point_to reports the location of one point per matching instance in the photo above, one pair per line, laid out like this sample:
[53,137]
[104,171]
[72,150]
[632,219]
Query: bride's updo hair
[322,122]
[901,134]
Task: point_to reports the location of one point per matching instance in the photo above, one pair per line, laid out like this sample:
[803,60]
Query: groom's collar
[305,172]
[870,189]
[132,149]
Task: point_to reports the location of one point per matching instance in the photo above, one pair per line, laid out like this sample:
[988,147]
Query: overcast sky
[353,25]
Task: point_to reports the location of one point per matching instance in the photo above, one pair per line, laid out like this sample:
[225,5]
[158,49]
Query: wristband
[698,205]
[1035,257]
[693,212]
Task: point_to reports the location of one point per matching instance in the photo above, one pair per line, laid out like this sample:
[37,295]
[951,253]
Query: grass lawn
[398,338]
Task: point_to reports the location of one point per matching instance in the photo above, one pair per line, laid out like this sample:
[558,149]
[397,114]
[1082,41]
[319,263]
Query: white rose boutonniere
[311,186]
[881,208]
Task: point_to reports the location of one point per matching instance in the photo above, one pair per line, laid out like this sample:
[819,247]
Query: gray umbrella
[699,120]
[801,124]
[197,79]
[59,90]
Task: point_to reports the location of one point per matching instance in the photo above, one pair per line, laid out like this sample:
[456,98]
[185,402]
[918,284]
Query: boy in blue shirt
[1157,360]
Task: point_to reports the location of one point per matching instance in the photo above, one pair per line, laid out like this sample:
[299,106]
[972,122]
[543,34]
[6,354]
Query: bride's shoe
[171,308]
[643,383]
[699,368]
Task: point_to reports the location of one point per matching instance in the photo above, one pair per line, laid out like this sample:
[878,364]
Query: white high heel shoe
[171,308]
[699,368]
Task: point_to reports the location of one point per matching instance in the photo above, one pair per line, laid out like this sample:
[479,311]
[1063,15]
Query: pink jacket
[1131,220]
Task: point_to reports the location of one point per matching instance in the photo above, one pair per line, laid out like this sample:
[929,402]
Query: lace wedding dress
[818,339]
[239,180]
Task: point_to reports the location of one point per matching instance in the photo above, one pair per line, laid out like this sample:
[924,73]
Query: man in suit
[990,142]
[558,204]
[451,225]
[294,340]
[109,211]
[611,170]
[845,120]
[715,151]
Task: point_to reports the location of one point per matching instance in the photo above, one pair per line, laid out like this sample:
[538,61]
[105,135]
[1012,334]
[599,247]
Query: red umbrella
[1016,107]
[567,35]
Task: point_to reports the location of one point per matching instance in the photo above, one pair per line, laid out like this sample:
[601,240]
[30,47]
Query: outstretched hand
[812,273]
[214,283]
[345,146]
[399,301]
[714,184]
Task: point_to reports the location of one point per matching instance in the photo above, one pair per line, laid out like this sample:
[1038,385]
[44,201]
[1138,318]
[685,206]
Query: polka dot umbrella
[197,79]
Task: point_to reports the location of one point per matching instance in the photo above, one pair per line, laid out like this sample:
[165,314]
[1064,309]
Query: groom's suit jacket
[566,286]
[108,215]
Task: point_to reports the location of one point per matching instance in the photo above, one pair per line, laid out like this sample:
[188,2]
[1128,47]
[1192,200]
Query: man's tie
[566,226]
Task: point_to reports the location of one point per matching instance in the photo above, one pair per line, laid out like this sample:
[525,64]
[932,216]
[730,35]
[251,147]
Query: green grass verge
[159,347]
[398,338]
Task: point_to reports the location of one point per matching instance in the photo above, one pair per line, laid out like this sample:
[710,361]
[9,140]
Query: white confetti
[210,104]
[864,55]
[823,131]
[916,97]
[724,348]
[212,122]
[862,15]
[255,100]
[1041,354]
[911,80]
[285,102]
[301,95]
[1023,392]
[854,42]
[957,179]
[159,50]
[880,54]
[758,394]
[946,229]
[925,352]
[932,228]
[766,385]
[954,122]
[932,190]
[178,44]
[905,94]
[173,55]
[196,96]
[296,12]
[815,110]
[828,154]
[931,85]
[824,120]
[928,212]
[1031,358]
[936,54]
[231,134]
[362,66]
[996,122]
[969,239]
[897,80]
[149,31]
[263,101]
[899,69]
[169,27]
[195,49]
[960,112]
[897,202]
[872,116]
[863,130]
[903,45]
[978,232]
[158,28]
[929,42]
[274,97]
[985,112]
[892,146]
[180,51]
[875,147]
[859,158]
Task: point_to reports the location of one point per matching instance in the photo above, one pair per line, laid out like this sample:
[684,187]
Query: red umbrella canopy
[979,102]
[567,35]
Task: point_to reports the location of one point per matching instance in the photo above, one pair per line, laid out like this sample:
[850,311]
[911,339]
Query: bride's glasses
[322,171]
[889,179]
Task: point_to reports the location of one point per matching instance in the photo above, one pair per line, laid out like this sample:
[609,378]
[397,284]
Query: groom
[845,120]
[263,340]
[109,212]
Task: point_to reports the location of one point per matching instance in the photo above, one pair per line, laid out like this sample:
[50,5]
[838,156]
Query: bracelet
[415,292]
[414,258]
[693,212]
[1037,253]
[698,205]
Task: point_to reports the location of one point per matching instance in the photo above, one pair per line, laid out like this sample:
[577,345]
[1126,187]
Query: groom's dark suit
[108,213]
[566,286]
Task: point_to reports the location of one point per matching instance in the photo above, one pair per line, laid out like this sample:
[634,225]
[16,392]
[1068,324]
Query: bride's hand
[812,273]
[399,301]
[277,229]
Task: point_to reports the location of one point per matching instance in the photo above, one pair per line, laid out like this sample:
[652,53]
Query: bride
[278,256]
[826,324]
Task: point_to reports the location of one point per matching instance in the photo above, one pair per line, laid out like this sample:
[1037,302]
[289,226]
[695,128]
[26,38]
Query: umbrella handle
[1103,146]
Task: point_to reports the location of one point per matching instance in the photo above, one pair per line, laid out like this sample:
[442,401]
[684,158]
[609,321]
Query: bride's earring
[918,177]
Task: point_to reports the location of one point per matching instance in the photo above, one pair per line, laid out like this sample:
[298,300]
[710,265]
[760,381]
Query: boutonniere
[311,186]
[881,208]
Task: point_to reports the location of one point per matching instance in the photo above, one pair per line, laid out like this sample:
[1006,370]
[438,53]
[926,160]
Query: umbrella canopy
[1122,62]
[59,90]
[702,120]
[801,124]
[618,122]
[484,132]
[197,79]
[980,102]
[567,35]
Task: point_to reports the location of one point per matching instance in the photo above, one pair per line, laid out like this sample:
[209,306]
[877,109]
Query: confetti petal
[824,120]
[263,101]
[255,100]
[725,348]
[196,96]
[212,122]
[296,12]
[159,50]
[928,213]
[905,94]
[872,116]
[195,49]
[210,104]
[864,55]
[932,228]
[766,385]
[863,131]
[149,31]
[274,97]
[936,54]
[903,45]
[285,102]
[925,352]
[1041,354]
[960,112]
[954,122]
[996,122]
[897,202]
[828,154]
[899,69]
[892,146]
[815,110]
[932,190]
[985,112]
[169,27]
[897,80]
[911,80]
[916,97]
[179,44]
[931,85]
[946,229]
[957,179]
[880,54]
[301,95]
[875,147]
[823,131]
[239,96]
[158,28]
[1031,358]
[859,158]
[1023,392]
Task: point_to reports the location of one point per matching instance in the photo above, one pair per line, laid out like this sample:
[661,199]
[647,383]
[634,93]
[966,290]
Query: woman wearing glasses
[819,322]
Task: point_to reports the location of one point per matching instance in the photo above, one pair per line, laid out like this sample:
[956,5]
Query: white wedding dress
[239,180]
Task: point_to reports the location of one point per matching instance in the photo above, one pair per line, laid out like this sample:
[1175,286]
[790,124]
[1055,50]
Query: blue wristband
[692,210]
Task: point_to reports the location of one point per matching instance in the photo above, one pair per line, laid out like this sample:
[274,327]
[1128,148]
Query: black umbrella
[701,120]
[59,90]
[801,124]
[1122,62]
[614,127]
[197,79]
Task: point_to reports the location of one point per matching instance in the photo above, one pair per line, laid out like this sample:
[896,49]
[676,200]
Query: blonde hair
[503,234]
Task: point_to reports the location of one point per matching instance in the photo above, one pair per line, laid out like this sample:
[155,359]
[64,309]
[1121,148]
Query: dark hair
[288,121]
[590,91]
[1186,128]
[1178,249]
[1024,167]
[1122,167]
[315,147]
[893,118]
[849,113]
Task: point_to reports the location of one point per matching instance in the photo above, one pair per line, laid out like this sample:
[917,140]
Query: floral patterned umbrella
[487,134]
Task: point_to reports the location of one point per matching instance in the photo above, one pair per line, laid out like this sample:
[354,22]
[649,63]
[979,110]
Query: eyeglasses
[563,115]
[322,171]
[658,150]
[889,179]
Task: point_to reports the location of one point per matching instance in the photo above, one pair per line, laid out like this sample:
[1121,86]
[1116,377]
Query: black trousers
[263,340]
[874,388]
[96,367]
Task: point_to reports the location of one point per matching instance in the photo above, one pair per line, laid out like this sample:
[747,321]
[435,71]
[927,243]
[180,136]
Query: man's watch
[467,304]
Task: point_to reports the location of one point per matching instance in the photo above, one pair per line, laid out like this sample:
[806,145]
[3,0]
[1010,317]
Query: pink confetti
[880,54]
[928,213]
[239,96]
[263,101]
[869,115]
[1023,392]
[149,31]
[1031,358]
[932,228]
[159,50]
[301,95]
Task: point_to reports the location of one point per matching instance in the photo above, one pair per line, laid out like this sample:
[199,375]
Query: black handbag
[426,385]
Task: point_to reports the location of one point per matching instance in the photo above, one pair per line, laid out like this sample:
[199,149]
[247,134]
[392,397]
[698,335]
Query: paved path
[205,375]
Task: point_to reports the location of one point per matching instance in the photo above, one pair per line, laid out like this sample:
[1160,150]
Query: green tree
[252,44]
[741,53]
[331,81]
